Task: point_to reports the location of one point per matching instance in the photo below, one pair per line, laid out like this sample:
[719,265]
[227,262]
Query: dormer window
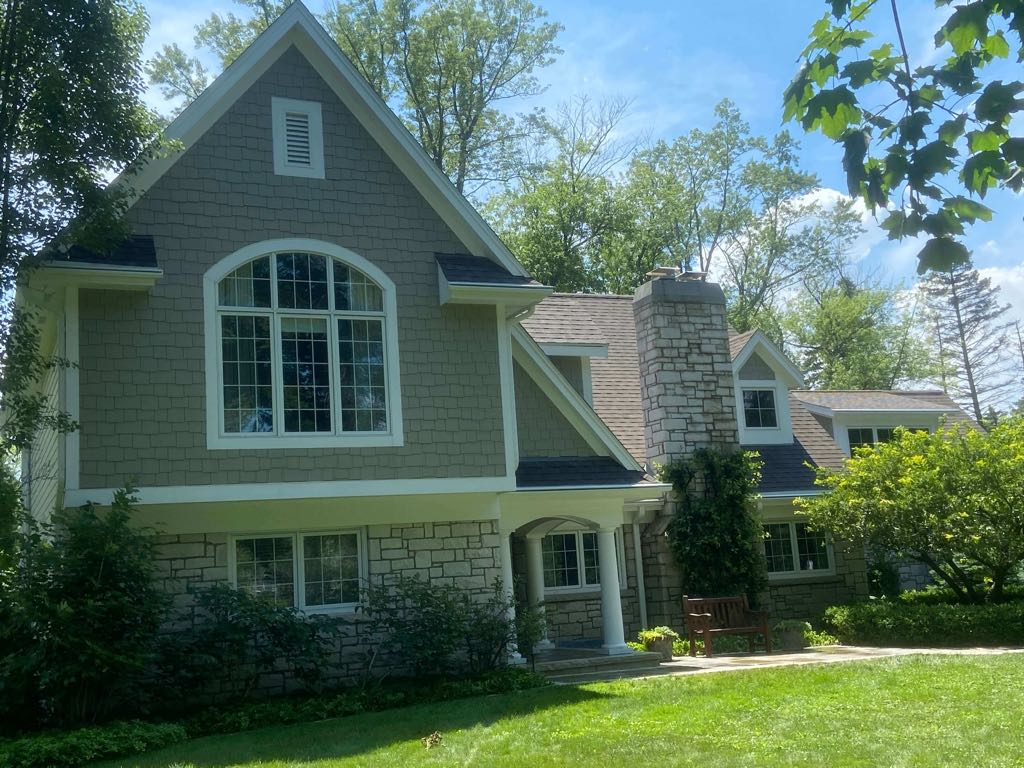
[759,409]
[298,135]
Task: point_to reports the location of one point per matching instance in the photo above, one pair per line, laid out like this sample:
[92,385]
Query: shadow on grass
[358,734]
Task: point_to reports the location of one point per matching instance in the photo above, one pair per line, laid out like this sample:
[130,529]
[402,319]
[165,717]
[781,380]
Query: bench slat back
[725,611]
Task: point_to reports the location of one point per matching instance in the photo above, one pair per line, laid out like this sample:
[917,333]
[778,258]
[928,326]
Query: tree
[565,207]
[786,236]
[443,65]
[855,337]
[940,126]
[70,115]
[952,499]
[971,334]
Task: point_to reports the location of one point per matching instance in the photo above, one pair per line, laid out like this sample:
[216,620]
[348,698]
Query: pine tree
[971,332]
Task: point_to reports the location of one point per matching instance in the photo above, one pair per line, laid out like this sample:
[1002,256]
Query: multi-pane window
[265,566]
[330,569]
[759,408]
[793,548]
[861,436]
[306,571]
[302,348]
[571,560]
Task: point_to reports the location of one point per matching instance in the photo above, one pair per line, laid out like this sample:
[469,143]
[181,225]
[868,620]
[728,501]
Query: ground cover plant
[920,711]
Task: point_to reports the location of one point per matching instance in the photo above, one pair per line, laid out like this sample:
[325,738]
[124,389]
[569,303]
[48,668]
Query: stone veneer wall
[688,400]
[464,554]
[575,618]
[808,598]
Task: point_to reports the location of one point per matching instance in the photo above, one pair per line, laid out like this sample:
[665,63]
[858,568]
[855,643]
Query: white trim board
[72,440]
[190,494]
[297,27]
[567,400]
[506,375]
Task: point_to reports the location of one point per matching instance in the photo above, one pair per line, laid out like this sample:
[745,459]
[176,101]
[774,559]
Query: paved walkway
[684,665]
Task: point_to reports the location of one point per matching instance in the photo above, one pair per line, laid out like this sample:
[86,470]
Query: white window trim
[216,438]
[781,433]
[299,568]
[583,586]
[792,522]
[279,108]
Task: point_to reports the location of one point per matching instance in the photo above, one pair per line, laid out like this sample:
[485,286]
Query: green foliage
[82,612]
[883,577]
[440,629]
[937,120]
[240,636]
[815,639]
[715,533]
[70,112]
[792,625]
[901,623]
[25,405]
[443,66]
[855,337]
[71,749]
[953,500]
[656,633]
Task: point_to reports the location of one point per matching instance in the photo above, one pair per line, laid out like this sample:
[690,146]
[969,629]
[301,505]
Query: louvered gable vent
[298,138]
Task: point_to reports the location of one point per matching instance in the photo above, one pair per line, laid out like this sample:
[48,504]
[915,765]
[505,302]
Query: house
[321,368]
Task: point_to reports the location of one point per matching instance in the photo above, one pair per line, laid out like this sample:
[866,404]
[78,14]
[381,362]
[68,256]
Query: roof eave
[100,276]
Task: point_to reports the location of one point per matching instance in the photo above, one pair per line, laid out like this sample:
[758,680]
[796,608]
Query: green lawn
[910,711]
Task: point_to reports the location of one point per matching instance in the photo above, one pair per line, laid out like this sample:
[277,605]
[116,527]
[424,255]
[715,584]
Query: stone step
[598,664]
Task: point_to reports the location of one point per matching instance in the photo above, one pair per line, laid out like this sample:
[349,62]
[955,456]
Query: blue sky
[676,59]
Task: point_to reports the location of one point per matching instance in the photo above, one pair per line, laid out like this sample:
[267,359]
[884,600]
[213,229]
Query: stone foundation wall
[808,598]
[464,554]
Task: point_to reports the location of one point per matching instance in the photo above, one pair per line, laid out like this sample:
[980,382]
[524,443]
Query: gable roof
[297,27]
[615,379]
[743,346]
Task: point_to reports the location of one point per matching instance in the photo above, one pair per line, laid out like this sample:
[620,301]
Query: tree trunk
[962,334]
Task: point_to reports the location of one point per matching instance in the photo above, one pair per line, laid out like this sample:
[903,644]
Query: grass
[908,711]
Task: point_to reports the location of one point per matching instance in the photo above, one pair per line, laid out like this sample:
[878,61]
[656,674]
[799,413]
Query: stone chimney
[685,368]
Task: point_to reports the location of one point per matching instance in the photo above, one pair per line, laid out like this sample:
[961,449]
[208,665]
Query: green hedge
[69,749]
[923,624]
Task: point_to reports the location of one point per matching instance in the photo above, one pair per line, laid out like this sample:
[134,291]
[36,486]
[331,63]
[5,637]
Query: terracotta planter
[792,639]
[662,646]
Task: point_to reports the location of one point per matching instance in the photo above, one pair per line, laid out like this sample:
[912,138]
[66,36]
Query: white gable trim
[777,359]
[297,26]
[567,400]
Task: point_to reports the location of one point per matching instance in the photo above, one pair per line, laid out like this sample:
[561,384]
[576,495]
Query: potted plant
[658,640]
[791,633]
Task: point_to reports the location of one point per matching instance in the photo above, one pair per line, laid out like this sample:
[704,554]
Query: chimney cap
[675,273]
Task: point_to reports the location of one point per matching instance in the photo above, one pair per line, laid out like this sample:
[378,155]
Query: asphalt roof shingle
[588,471]
[876,400]
[464,268]
[134,251]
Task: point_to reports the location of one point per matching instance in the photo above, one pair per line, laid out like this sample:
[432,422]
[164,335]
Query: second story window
[304,354]
[759,408]
[861,436]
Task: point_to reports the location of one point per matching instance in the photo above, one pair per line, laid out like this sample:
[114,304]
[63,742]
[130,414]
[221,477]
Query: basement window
[298,138]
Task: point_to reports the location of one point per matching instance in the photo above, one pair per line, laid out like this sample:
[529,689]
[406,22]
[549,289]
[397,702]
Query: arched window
[305,352]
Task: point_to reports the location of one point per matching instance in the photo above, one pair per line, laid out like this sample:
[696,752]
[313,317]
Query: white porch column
[535,582]
[507,579]
[614,639]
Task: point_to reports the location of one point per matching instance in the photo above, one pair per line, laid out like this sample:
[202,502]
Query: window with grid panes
[302,348]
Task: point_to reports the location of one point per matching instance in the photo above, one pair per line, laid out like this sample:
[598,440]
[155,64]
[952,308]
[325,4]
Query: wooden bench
[710,616]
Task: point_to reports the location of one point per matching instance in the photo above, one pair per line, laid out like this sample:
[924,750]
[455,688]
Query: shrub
[715,535]
[81,617]
[903,623]
[439,628]
[658,633]
[242,636]
[75,748]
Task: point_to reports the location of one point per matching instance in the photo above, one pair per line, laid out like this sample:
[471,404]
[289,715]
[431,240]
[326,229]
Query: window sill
[284,442]
[568,595]
[780,580]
